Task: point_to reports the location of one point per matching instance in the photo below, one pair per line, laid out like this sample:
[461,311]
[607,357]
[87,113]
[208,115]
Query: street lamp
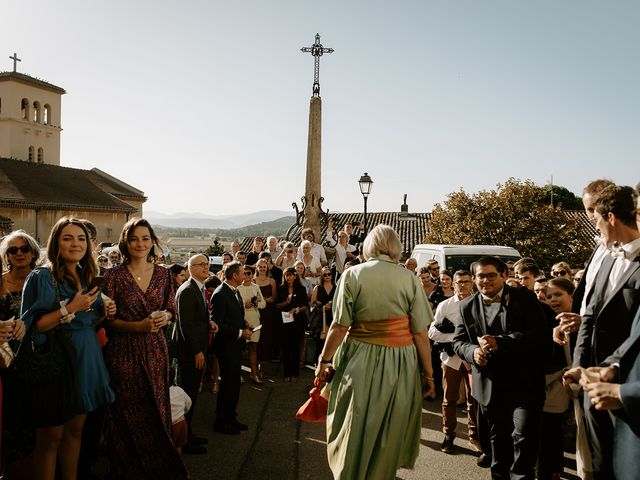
[365,183]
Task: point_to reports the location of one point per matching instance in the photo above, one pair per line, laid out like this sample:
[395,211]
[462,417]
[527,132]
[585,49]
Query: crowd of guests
[521,351]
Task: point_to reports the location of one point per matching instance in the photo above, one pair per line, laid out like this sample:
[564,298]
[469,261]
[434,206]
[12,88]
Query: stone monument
[312,200]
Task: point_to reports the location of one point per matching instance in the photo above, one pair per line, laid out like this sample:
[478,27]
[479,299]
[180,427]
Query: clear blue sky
[203,105]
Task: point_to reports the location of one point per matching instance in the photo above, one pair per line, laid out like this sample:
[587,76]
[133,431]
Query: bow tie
[489,301]
[617,251]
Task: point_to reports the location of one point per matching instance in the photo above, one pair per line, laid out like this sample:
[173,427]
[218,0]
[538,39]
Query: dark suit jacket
[626,442]
[193,319]
[229,315]
[516,368]
[607,321]
[578,294]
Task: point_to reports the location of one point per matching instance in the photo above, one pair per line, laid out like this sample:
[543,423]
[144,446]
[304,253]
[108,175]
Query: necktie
[239,298]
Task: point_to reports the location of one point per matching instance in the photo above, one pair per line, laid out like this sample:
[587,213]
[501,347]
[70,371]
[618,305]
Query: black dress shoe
[240,426]
[226,429]
[195,440]
[191,449]
[484,461]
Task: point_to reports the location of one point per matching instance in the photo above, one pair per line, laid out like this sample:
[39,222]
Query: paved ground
[277,446]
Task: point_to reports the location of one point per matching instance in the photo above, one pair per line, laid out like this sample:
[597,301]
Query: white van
[460,257]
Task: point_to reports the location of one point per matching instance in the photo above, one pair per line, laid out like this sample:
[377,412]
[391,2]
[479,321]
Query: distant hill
[201,220]
[276,227]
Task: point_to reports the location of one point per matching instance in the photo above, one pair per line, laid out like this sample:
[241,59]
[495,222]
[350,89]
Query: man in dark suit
[227,311]
[192,338]
[618,391]
[502,335]
[611,306]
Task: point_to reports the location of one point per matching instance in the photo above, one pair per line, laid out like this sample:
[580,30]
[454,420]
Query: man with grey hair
[192,332]
[411,264]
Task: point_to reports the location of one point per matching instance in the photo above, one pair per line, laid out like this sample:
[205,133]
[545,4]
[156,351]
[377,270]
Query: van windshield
[463,262]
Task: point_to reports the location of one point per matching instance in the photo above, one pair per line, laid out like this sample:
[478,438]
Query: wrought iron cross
[15,60]
[317,50]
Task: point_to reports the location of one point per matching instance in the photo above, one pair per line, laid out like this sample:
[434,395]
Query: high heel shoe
[256,380]
[215,386]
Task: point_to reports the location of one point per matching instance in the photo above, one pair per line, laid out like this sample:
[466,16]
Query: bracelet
[324,362]
[64,311]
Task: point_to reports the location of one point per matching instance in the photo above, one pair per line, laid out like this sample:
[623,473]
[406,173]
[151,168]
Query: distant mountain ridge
[202,220]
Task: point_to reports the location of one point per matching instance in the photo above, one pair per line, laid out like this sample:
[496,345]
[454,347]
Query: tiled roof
[22,77]
[114,185]
[46,186]
[411,227]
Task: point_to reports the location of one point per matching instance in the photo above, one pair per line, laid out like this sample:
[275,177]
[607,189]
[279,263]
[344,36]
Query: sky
[203,105]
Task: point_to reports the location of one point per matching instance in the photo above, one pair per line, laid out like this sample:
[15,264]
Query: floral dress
[139,422]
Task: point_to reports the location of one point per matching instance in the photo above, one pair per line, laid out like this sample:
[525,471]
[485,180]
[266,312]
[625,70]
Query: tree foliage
[515,214]
[563,197]
[215,249]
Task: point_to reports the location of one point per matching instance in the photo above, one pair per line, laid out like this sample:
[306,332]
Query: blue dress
[91,376]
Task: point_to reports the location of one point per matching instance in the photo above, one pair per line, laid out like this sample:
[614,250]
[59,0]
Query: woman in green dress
[379,347]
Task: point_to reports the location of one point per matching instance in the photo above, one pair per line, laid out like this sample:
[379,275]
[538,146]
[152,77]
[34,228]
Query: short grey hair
[306,243]
[4,245]
[382,240]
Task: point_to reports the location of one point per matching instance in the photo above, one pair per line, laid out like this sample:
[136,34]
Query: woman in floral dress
[139,422]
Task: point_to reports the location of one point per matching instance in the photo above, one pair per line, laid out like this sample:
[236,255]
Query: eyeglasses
[433,269]
[202,264]
[103,260]
[326,274]
[14,250]
[487,276]
[559,273]
[248,273]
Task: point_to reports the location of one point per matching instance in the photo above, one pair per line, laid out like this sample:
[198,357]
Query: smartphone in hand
[96,282]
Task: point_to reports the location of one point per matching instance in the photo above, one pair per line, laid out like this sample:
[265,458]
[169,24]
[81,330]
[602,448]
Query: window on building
[40,155]
[24,109]
[31,153]
[47,114]
[36,112]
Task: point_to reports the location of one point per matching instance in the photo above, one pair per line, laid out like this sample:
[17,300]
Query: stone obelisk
[312,194]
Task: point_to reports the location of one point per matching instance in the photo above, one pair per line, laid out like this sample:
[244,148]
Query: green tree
[214,250]
[515,214]
[563,197]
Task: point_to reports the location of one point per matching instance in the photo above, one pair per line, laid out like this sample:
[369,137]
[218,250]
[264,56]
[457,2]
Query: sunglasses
[559,273]
[14,250]
[326,274]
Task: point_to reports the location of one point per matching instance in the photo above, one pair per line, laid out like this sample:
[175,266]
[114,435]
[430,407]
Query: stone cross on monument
[312,200]
[15,61]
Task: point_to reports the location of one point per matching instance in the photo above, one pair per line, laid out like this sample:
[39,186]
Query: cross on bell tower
[15,61]
[317,50]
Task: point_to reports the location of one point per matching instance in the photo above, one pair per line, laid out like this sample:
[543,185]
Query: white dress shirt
[450,309]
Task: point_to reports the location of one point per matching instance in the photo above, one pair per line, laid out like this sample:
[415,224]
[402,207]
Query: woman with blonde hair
[377,382]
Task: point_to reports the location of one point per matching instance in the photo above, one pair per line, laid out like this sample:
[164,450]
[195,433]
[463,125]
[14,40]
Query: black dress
[292,333]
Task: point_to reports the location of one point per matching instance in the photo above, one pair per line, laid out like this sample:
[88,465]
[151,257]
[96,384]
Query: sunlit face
[273,244]
[235,247]
[140,243]
[72,243]
[488,281]
[199,268]
[540,289]
[309,236]
[559,299]
[248,276]
[434,268]
[411,265]
[526,279]
[306,249]
[348,228]
[343,239]
[258,244]
[445,280]
[587,201]
[262,268]
[463,285]
[300,269]
[16,254]
[604,227]
[425,278]
[326,274]
[226,258]
[242,258]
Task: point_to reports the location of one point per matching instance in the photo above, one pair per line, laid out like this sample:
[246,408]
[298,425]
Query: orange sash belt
[391,332]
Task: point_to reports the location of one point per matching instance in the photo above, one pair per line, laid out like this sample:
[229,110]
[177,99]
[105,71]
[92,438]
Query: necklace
[137,276]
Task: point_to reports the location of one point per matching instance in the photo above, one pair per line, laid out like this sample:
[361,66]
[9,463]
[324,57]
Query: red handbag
[314,409]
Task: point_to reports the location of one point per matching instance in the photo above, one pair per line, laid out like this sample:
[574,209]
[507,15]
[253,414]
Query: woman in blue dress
[59,412]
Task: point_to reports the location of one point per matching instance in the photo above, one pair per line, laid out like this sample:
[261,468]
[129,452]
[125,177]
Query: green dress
[374,417]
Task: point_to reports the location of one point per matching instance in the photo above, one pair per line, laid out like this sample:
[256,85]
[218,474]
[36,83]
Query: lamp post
[365,183]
